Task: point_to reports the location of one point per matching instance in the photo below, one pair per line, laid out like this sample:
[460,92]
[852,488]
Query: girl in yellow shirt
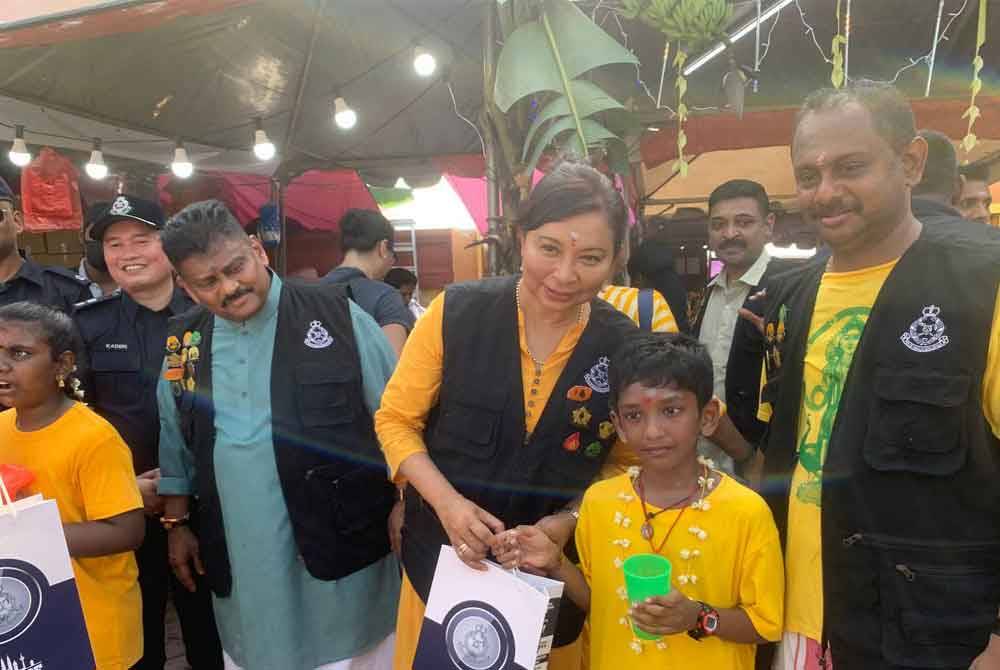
[79,461]
[727,581]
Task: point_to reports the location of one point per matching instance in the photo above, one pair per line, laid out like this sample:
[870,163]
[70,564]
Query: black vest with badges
[332,473]
[476,434]
[910,500]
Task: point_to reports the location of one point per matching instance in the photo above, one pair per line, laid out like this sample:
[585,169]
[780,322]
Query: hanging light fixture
[402,183]
[95,167]
[424,62]
[182,165]
[263,148]
[19,154]
[345,117]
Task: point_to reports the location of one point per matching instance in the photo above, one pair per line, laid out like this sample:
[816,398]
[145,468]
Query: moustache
[236,296]
[732,244]
[834,208]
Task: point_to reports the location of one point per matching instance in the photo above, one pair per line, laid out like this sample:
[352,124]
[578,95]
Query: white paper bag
[492,620]
[41,621]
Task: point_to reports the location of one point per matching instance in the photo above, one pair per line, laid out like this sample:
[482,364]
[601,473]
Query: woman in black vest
[497,414]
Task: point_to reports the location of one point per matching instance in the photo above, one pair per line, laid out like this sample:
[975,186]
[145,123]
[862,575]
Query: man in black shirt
[23,279]
[934,197]
[124,335]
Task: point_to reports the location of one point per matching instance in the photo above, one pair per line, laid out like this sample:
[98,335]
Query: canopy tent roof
[202,70]
[130,71]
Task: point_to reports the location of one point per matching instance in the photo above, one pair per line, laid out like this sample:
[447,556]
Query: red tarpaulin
[66,21]
[774,128]
[316,199]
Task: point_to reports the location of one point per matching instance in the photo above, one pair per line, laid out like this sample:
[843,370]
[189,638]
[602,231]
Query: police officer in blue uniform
[22,278]
[124,335]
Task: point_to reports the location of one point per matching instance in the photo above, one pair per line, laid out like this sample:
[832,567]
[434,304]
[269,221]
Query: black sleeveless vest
[332,473]
[910,497]
[476,434]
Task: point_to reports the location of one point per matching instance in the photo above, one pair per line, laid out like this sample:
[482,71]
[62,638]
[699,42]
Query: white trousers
[378,658]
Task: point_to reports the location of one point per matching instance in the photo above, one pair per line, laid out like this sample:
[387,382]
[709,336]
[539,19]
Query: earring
[62,382]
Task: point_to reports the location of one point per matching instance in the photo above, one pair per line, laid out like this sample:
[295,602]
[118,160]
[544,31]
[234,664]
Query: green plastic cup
[646,575]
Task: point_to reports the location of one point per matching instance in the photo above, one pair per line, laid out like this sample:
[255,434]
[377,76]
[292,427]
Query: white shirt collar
[751,277]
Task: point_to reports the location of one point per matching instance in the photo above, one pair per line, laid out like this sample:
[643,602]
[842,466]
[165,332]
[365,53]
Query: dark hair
[741,188]
[975,173]
[891,114]
[197,228]
[941,169]
[572,189]
[362,229]
[657,360]
[58,331]
[399,277]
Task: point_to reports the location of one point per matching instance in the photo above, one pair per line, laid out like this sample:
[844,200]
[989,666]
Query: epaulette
[66,273]
[86,304]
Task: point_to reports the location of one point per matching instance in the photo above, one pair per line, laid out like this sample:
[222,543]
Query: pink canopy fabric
[472,192]
[316,199]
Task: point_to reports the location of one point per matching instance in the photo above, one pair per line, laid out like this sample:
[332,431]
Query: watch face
[711,622]
[478,637]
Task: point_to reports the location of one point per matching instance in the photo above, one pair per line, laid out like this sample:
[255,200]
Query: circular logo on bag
[21,589]
[478,637]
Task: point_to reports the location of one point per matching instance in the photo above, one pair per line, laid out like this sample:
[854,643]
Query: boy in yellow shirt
[81,462]
[727,585]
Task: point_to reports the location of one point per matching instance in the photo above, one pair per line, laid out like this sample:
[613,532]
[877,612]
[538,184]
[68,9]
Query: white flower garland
[686,554]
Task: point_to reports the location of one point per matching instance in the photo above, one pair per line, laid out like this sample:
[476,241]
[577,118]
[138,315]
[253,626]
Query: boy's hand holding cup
[666,615]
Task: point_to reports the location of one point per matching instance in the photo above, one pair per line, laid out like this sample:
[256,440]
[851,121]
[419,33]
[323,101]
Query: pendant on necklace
[646,531]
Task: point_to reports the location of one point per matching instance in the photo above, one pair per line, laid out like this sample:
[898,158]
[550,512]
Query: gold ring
[462,548]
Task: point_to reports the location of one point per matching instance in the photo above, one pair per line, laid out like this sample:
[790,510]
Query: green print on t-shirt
[821,402]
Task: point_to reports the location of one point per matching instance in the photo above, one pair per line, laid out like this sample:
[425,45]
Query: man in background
[22,278]
[974,200]
[740,224]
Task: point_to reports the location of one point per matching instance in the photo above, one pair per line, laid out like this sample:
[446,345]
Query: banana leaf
[590,100]
[595,133]
[527,64]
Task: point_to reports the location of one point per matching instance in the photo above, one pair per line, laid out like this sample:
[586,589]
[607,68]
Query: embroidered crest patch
[317,337]
[121,206]
[597,378]
[926,334]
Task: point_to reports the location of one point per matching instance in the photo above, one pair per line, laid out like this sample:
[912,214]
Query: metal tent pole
[492,187]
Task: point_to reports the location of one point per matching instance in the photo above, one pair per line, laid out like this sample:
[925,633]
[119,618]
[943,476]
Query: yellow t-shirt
[626,300]
[843,304]
[738,565]
[82,463]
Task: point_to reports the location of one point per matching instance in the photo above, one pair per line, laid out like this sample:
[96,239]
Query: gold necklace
[538,364]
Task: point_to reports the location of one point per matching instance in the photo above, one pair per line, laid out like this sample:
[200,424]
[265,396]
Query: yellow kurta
[738,564]
[410,396]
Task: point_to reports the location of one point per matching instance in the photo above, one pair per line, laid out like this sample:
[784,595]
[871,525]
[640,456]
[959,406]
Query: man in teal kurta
[277,614]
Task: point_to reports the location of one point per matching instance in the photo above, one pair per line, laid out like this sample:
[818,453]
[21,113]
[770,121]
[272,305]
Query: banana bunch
[692,22]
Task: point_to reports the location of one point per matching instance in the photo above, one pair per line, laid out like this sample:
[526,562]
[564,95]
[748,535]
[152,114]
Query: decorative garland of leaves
[973,113]
[837,54]
[691,24]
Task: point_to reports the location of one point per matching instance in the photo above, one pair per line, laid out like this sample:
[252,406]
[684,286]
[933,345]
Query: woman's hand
[470,528]
[528,548]
[666,615]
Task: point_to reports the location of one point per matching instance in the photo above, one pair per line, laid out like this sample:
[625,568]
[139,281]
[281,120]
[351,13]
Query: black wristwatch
[707,624]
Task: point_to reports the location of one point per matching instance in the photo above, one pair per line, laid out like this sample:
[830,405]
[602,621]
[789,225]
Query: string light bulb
[345,117]
[19,154]
[263,148]
[182,165]
[96,167]
[424,62]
